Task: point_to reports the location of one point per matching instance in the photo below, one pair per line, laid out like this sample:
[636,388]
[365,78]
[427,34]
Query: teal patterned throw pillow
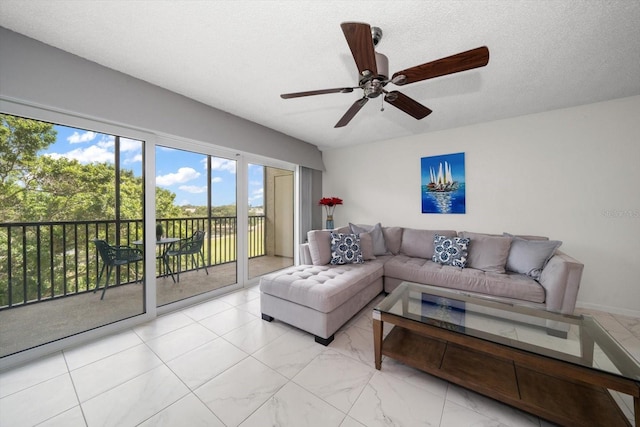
[450,250]
[345,249]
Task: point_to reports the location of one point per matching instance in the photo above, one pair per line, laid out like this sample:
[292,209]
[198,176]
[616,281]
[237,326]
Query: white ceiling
[239,56]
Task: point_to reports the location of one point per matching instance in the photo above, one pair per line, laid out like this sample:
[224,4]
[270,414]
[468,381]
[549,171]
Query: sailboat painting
[442,184]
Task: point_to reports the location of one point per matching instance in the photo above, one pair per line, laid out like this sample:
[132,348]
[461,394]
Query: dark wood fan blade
[406,104]
[360,42]
[463,61]
[351,112]
[316,92]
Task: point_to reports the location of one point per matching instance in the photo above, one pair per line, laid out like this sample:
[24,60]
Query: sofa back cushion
[379,247]
[392,239]
[366,245]
[487,252]
[526,236]
[419,243]
[319,246]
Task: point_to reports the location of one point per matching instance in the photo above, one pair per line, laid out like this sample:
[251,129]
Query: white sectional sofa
[319,297]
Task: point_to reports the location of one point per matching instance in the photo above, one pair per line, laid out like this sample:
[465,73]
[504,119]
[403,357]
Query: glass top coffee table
[510,353]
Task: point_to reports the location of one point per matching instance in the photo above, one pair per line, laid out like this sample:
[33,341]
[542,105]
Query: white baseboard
[607,309]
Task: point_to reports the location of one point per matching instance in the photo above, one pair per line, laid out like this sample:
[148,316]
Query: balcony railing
[45,260]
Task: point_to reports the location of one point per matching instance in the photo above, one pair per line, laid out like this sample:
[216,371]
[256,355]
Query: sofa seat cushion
[420,270]
[322,288]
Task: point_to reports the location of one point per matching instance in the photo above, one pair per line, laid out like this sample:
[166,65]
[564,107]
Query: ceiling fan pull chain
[382,103]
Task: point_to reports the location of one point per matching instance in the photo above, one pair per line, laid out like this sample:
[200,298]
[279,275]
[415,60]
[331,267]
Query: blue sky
[456,161]
[182,172]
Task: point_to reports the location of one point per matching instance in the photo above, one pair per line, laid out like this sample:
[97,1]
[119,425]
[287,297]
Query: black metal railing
[45,260]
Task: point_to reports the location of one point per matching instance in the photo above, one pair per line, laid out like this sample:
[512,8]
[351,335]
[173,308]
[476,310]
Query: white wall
[42,76]
[570,174]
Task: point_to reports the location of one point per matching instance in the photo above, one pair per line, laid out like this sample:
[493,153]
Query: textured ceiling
[239,56]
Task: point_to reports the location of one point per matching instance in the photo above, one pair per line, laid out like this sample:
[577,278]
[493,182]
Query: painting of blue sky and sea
[443,184]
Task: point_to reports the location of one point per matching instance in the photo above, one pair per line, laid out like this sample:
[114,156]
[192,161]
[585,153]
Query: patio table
[162,246]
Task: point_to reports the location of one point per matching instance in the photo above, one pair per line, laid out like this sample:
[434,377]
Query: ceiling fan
[373,68]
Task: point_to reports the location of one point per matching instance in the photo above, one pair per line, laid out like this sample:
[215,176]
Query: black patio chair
[114,256]
[193,246]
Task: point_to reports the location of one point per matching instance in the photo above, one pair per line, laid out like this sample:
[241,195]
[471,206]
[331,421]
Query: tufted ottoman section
[320,299]
[323,288]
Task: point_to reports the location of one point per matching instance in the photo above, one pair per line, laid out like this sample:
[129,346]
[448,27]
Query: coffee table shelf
[564,388]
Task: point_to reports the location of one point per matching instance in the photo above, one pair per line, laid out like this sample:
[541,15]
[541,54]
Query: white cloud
[256,195]
[194,189]
[77,138]
[216,179]
[92,154]
[135,159]
[107,141]
[127,144]
[219,164]
[100,152]
[183,175]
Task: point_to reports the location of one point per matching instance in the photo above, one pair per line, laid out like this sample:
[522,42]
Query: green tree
[223,211]
[20,141]
[165,204]
[66,190]
[42,189]
[57,194]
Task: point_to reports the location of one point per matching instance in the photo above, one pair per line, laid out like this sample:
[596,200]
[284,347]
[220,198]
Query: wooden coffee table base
[558,391]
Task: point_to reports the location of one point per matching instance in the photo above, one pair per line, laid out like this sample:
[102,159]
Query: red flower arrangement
[330,204]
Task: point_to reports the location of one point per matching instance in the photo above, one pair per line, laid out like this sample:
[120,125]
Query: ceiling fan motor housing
[373,84]
[382,63]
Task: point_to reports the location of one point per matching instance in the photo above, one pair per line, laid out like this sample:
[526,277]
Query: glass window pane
[196,217]
[61,188]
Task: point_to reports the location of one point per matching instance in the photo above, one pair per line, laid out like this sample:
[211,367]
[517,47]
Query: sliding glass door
[196,221]
[64,188]
[61,189]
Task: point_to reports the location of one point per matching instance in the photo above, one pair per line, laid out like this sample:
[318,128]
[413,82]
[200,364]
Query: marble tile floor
[219,364]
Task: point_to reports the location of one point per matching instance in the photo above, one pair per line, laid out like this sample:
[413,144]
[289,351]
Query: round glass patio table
[162,246]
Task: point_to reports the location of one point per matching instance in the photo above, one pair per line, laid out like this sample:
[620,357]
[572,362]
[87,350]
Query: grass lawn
[224,248]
